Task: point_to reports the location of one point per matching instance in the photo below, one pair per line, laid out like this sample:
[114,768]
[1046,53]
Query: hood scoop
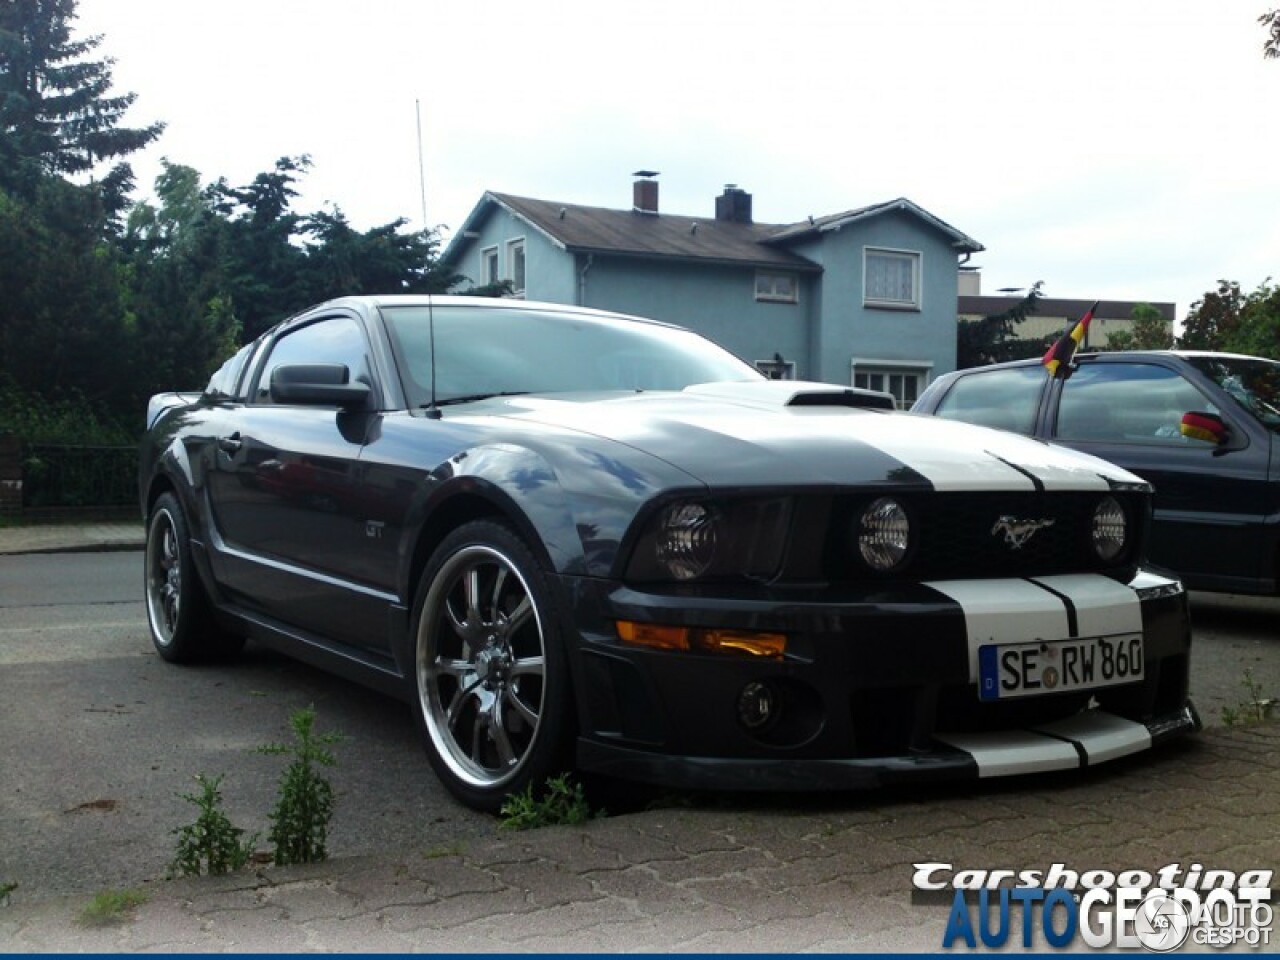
[773,394]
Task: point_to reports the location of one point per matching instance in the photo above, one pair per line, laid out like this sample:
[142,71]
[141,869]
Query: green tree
[57,113]
[1259,330]
[342,261]
[994,338]
[1213,319]
[263,267]
[175,291]
[1271,20]
[1149,331]
[1237,322]
[61,325]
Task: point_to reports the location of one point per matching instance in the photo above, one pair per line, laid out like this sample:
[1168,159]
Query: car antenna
[433,411]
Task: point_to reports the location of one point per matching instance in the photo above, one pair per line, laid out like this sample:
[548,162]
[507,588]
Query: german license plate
[1057,666]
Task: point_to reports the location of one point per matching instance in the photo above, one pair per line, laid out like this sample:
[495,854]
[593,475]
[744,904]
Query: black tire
[491,683]
[179,614]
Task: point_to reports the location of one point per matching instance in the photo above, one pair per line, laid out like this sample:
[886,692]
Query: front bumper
[878,685]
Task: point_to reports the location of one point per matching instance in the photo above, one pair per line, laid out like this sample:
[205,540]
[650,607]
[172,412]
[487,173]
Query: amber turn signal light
[700,640]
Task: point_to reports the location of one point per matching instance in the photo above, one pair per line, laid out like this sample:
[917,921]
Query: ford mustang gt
[575,540]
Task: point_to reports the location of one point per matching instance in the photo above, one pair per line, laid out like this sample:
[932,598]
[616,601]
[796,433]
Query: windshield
[1252,382]
[485,351]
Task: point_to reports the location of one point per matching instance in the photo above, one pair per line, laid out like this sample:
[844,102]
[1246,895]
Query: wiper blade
[473,397]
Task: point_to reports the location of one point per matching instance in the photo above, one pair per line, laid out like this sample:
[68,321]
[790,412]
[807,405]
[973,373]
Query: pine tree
[57,113]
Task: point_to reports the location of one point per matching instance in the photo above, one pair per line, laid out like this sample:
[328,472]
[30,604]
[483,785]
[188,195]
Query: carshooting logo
[1160,911]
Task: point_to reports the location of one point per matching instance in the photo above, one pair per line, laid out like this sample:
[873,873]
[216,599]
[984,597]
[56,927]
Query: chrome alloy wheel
[481,666]
[164,578]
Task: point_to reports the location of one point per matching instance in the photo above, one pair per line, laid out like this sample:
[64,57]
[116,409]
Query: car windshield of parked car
[494,351]
[1252,382]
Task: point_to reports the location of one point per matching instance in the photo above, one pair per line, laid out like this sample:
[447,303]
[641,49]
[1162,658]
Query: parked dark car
[573,540]
[1217,491]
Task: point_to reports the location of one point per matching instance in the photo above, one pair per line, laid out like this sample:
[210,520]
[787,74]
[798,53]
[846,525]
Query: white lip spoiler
[1081,741]
[772,394]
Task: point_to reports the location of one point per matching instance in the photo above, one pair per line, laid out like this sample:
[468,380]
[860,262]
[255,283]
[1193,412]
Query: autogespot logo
[1133,909]
[1162,923]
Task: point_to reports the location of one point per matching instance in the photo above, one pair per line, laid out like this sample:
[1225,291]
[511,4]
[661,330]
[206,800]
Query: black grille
[973,535]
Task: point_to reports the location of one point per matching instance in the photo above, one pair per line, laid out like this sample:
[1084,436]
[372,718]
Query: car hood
[752,434]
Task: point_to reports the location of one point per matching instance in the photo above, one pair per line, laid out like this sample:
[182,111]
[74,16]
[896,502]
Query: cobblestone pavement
[784,875]
[789,874]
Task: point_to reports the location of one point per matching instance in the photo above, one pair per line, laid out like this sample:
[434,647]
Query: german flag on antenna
[1057,359]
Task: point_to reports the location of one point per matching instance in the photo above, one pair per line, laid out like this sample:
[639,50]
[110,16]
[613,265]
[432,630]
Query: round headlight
[1110,529]
[686,541]
[884,534]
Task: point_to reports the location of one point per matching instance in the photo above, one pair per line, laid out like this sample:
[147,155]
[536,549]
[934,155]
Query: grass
[1253,709]
[111,906]
[561,803]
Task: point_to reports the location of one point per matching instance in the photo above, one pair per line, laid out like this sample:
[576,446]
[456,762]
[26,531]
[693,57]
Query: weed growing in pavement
[1255,708]
[211,844]
[439,853]
[562,803]
[300,821]
[5,890]
[111,906]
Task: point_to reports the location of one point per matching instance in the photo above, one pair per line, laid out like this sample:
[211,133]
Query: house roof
[583,229]
[962,242]
[976,305]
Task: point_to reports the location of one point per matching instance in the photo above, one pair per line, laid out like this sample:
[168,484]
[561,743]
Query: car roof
[1107,355]
[378,301]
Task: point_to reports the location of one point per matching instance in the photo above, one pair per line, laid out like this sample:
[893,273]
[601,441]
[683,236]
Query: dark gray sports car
[573,540]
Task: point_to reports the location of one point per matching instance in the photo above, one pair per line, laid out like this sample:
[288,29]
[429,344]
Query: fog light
[757,705]
[1109,529]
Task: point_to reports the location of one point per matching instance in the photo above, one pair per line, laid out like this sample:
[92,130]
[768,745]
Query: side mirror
[318,384]
[1209,427]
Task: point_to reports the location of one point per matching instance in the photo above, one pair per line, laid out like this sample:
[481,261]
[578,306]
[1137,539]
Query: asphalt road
[101,737]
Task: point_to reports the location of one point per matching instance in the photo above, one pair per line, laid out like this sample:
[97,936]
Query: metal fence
[68,476]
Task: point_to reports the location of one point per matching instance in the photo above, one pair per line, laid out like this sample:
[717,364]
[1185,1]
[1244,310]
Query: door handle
[231,444]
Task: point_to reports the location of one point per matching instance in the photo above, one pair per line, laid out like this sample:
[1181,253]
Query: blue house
[866,297]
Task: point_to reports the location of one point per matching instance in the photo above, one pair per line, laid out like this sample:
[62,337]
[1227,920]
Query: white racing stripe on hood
[957,456]
[1022,611]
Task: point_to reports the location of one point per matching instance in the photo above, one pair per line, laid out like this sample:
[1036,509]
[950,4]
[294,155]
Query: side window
[515,261]
[1128,403]
[489,266]
[1004,399]
[331,340]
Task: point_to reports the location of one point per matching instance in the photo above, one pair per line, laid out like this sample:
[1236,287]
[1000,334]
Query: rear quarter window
[1004,399]
[225,382]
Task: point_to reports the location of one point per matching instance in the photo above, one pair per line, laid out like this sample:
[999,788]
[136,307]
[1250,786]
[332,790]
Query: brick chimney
[734,204]
[644,193]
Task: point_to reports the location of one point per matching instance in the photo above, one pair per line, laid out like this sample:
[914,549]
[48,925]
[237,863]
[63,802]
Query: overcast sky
[1122,149]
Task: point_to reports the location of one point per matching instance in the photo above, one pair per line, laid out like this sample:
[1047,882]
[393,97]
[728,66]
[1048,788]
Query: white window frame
[516,252]
[772,295]
[922,370]
[913,257]
[787,369]
[490,266]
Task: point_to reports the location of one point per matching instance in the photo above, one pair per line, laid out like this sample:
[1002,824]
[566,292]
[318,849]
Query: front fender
[573,503]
